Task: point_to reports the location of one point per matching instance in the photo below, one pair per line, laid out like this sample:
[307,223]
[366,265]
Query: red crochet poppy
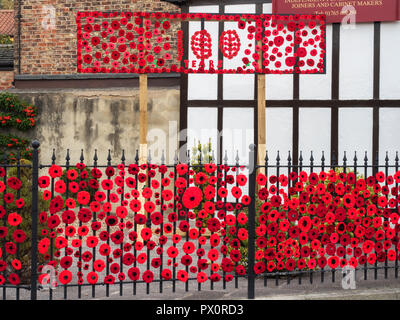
[192,197]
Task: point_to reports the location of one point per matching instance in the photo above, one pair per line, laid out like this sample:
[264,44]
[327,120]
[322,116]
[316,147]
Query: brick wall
[53,50]
[6,79]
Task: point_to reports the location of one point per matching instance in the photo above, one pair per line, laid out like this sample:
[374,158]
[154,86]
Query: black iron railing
[184,223]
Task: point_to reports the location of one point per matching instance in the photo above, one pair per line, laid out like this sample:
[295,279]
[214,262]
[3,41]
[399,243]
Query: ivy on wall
[19,115]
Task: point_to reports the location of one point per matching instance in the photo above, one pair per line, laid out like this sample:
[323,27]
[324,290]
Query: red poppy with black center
[44,181]
[65,277]
[16,264]
[200,178]
[55,171]
[192,197]
[142,177]
[104,249]
[14,219]
[156,263]
[333,262]
[184,226]
[61,242]
[56,204]
[148,276]
[180,183]
[14,279]
[215,240]
[172,252]
[96,173]
[149,206]
[135,205]
[19,236]
[99,265]
[114,267]
[130,182]
[182,169]
[92,241]
[43,245]
[66,262]
[210,167]
[107,184]
[68,216]
[84,215]
[53,221]
[165,182]
[167,195]
[87,256]
[93,184]
[117,237]
[128,259]
[140,218]
[92,277]
[83,197]
[117,253]
[70,231]
[95,225]
[73,187]
[245,200]
[202,264]
[146,233]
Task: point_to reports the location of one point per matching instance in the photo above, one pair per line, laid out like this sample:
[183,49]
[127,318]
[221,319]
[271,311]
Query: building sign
[135,42]
[342,10]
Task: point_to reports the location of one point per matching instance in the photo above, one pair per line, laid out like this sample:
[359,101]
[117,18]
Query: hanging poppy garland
[138,42]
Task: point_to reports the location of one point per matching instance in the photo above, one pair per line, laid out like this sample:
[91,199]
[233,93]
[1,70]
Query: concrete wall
[102,120]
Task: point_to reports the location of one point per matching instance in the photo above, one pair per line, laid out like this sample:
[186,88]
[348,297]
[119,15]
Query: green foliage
[6,39]
[25,192]
[201,154]
[84,182]
[15,113]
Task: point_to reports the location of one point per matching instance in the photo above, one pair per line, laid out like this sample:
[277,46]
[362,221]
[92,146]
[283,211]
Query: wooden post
[261,134]
[261,97]
[143,99]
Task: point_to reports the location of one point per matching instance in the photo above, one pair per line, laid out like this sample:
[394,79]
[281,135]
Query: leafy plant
[84,180]
[6,39]
[201,154]
[17,114]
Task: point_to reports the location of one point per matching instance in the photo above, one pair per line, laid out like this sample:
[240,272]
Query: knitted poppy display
[173,224]
[139,42]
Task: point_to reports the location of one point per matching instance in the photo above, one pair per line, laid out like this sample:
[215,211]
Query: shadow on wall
[99,120]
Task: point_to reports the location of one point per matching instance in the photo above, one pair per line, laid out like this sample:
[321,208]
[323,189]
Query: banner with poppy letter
[138,42]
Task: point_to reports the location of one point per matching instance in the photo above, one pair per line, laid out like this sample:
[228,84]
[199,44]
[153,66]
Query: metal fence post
[35,190]
[251,222]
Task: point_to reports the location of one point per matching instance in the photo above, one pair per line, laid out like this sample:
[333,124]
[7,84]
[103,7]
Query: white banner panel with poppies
[138,42]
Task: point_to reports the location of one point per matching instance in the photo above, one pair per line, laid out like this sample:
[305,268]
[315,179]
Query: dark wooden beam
[335,90]
[376,95]
[94,83]
[370,103]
